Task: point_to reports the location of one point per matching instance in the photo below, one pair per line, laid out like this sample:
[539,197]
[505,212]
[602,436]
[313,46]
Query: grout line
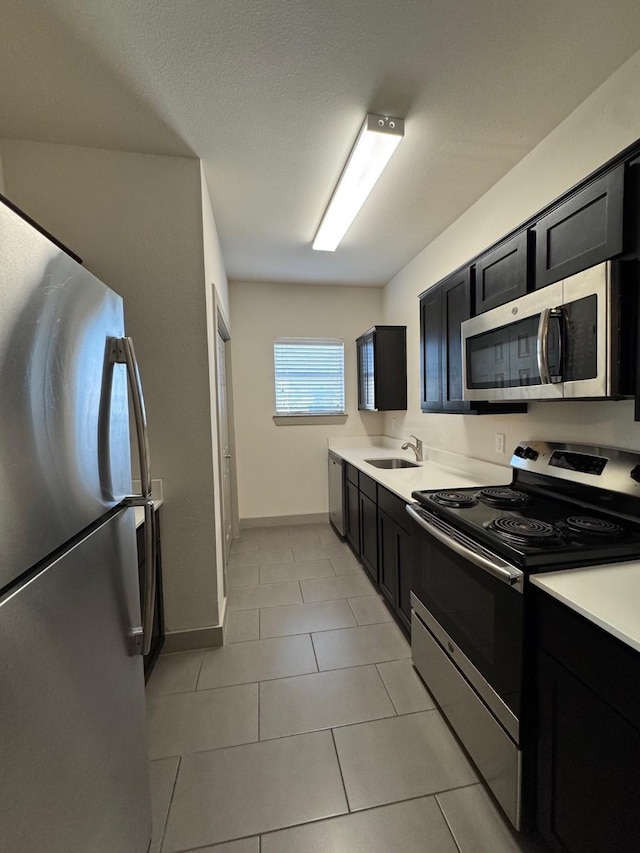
[315,654]
[304,734]
[294,675]
[173,790]
[357,625]
[199,671]
[386,688]
[344,787]
[261,835]
[259,691]
[446,820]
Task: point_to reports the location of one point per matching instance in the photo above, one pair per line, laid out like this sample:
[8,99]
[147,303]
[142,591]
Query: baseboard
[193,638]
[276,520]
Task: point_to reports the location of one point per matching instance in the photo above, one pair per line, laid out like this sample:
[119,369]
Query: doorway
[222,344]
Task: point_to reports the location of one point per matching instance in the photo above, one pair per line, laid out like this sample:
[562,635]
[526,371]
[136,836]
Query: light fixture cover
[378,139]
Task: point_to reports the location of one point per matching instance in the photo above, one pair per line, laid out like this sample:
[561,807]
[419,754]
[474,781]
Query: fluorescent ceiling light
[378,139]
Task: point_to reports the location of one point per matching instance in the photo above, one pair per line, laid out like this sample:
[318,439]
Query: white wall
[606,123]
[282,470]
[1,171]
[137,221]
[216,289]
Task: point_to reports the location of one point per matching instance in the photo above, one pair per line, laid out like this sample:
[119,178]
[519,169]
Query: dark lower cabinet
[378,530]
[157,633]
[369,536]
[394,555]
[352,515]
[405,572]
[388,553]
[588,735]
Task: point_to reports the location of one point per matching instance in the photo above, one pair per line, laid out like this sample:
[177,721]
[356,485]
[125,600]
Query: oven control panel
[604,467]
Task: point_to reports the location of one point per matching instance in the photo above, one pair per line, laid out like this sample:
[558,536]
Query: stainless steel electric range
[567,506]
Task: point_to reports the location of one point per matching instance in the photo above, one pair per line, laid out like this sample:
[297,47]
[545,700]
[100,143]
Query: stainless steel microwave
[559,342]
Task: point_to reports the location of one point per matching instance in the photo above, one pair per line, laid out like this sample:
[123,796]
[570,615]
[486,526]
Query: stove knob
[635,474]
[525,452]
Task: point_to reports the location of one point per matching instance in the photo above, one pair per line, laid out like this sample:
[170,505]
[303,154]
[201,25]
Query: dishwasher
[336,494]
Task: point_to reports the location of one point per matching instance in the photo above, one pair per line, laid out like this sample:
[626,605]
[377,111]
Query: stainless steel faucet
[417,447]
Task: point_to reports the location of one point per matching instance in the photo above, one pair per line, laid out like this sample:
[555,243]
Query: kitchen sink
[392,463]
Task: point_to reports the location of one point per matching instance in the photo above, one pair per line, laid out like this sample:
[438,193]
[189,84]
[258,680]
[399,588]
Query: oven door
[514,352]
[472,603]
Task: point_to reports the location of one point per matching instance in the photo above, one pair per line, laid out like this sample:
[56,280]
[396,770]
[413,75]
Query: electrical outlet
[499,442]
[394,425]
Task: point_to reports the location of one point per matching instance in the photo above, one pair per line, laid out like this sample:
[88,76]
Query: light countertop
[439,470]
[608,596]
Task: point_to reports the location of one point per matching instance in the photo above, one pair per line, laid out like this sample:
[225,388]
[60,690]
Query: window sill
[315,420]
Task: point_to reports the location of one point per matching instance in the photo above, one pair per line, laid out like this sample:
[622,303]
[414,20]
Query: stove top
[560,511]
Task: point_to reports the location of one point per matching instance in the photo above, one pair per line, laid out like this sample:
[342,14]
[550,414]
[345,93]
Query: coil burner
[591,529]
[455,500]
[503,497]
[524,531]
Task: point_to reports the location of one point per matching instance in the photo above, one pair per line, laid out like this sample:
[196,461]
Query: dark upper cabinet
[582,231]
[443,309]
[382,368]
[456,308]
[588,734]
[503,273]
[431,350]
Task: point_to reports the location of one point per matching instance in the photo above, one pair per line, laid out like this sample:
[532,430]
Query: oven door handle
[511,576]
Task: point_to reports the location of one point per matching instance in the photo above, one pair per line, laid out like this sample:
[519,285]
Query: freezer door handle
[123,352]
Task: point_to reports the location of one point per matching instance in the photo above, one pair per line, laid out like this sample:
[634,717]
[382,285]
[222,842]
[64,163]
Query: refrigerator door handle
[124,353]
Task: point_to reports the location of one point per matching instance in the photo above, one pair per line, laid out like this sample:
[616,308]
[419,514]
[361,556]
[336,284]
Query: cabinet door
[388,557]
[405,571]
[588,759]
[369,536]
[390,365]
[456,307]
[583,231]
[366,374]
[431,350]
[352,515]
[502,274]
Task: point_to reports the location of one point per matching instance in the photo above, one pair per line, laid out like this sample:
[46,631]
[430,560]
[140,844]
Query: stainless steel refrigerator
[73,751]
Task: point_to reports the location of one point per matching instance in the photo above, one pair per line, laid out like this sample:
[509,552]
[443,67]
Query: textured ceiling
[271,93]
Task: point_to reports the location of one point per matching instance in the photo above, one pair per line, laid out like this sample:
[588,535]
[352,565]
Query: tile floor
[309,732]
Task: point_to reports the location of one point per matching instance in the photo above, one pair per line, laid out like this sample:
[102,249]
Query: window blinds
[309,376]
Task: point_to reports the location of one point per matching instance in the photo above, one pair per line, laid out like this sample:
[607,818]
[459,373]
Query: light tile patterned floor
[309,731]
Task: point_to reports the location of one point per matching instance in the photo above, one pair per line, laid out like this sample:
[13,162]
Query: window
[309,376]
